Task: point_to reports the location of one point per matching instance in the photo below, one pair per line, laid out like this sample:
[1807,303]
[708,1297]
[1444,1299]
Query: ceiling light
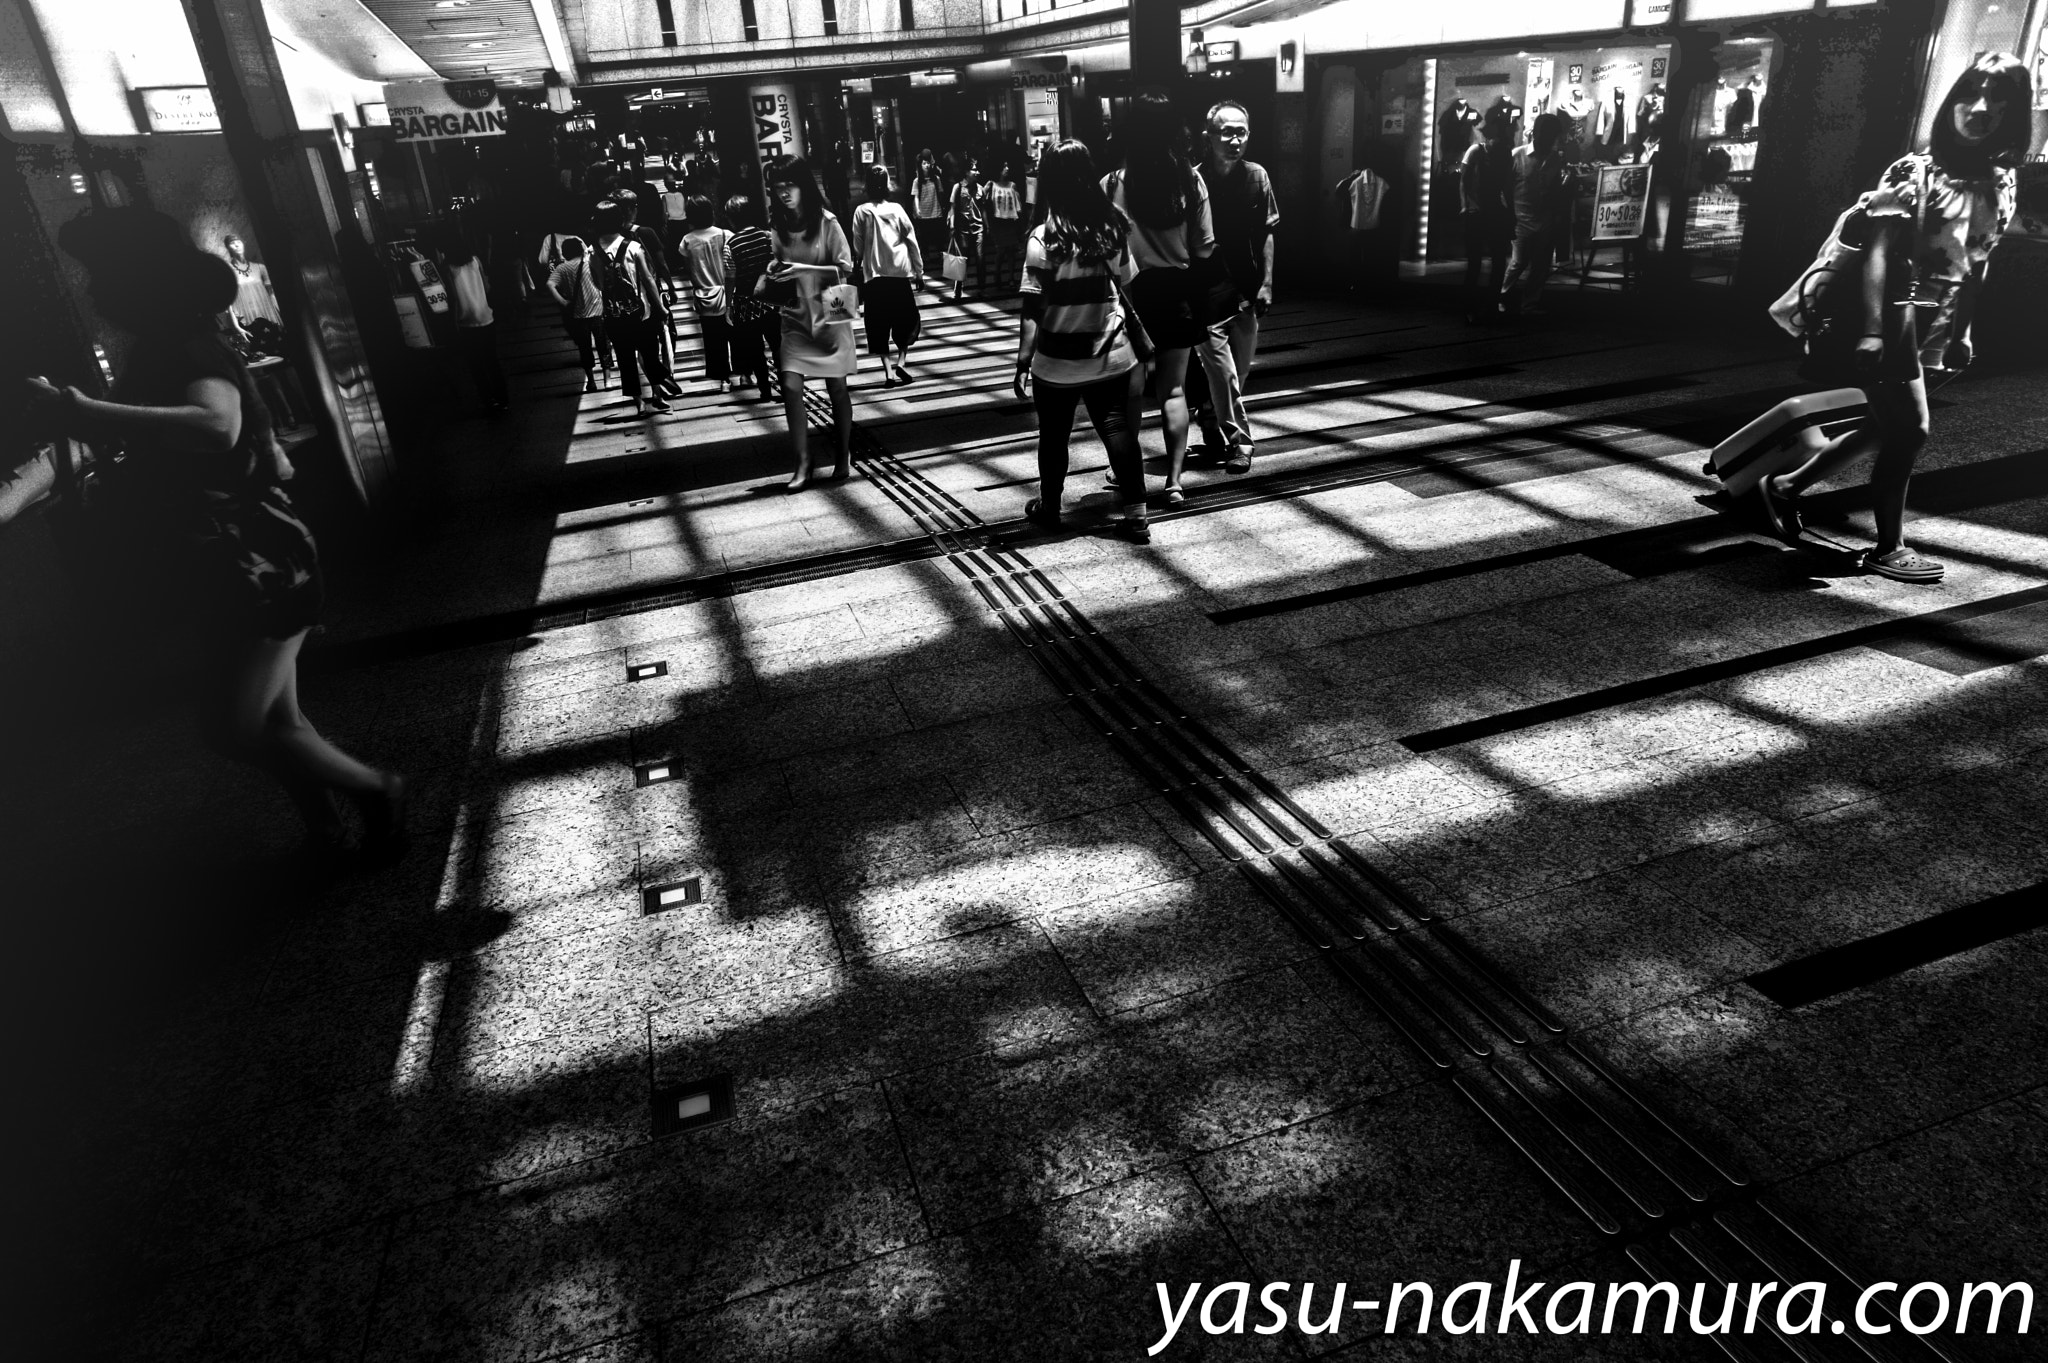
[451,4]
[479,44]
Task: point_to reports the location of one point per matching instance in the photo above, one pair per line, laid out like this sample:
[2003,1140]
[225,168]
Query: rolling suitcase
[1788,434]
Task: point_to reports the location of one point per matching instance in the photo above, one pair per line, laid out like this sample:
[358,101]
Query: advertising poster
[778,128]
[444,111]
[1621,203]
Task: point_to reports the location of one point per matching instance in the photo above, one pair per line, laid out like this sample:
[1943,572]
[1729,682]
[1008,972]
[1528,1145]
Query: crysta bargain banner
[440,111]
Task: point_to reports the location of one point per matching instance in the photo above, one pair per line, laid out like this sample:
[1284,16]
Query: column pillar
[1155,43]
[1693,69]
[288,206]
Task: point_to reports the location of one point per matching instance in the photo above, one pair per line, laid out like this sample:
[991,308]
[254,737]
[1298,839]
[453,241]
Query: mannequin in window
[1649,109]
[1576,109]
[254,297]
[1742,109]
[1454,131]
[1617,123]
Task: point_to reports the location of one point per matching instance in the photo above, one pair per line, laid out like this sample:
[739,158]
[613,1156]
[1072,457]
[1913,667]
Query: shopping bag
[838,303]
[952,267]
[1788,434]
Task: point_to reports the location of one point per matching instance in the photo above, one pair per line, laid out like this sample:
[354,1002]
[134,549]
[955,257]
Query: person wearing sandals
[1074,343]
[928,192]
[1929,230]
[811,254]
[891,267]
[633,311]
[966,224]
[1167,206]
[197,506]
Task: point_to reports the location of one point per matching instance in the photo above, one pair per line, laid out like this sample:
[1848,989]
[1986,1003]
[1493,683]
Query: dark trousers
[591,342]
[637,341]
[754,344]
[480,349]
[717,329]
[1115,406]
[1487,235]
[931,242]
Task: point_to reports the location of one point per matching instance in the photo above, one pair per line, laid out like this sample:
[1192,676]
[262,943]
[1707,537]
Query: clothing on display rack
[1360,196]
[1575,109]
[1649,109]
[1454,129]
[1617,123]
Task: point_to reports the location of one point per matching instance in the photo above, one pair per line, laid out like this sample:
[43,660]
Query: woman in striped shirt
[755,326]
[1074,345]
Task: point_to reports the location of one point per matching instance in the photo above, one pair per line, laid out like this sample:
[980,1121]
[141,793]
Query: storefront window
[1729,120]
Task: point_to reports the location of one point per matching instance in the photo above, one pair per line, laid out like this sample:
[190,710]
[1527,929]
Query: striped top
[1080,318]
[751,248]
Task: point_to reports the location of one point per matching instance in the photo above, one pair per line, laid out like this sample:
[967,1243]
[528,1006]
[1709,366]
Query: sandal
[1035,512]
[1781,513]
[1174,496]
[1903,565]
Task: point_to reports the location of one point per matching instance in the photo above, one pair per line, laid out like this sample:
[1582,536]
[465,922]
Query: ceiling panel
[470,39]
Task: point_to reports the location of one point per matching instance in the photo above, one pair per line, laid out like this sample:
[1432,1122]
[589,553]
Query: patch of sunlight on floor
[423,1012]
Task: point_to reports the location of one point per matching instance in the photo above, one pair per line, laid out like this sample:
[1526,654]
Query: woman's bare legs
[1169,381]
[799,428]
[253,714]
[1896,433]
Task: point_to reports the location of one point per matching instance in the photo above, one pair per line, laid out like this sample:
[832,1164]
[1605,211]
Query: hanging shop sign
[926,79]
[778,130]
[178,109]
[1621,203]
[1219,53]
[1041,80]
[444,111]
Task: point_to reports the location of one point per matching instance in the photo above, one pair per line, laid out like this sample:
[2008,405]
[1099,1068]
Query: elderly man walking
[1245,212]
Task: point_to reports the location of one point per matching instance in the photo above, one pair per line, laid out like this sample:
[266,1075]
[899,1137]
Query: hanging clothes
[1360,197]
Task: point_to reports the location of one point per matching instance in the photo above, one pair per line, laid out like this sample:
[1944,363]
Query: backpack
[618,287]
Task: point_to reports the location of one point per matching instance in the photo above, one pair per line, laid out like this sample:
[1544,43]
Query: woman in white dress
[811,255]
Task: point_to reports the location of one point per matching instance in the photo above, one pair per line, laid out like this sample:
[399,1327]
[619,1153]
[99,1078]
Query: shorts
[1163,297]
[888,309]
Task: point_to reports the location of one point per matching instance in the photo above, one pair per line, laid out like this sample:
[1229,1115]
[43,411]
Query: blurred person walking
[633,310]
[1925,236]
[756,329]
[1244,211]
[892,267]
[1076,345]
[1003,200]
[476,326]
[206,529]
[1539,194]
[811,255]
[707,271]
[572,284]
[1488,215]
[928,208]
[966,224]
[1166,205]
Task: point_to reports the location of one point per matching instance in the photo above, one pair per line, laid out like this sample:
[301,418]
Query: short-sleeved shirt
[1004,203]
[928,197]
[1244,211]
[472,299]
[750,250]
[1537,188]
[1080,318]
[1482,180]
[575,281]
[883,240]
[158,373]
[1963,221]
[1173,246]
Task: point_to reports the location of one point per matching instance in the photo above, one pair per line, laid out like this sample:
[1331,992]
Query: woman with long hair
[1929,228]
[891,266]
[966,223]
[811,255]
[928,208]
[199,501]
[1167,206]
[1073,343]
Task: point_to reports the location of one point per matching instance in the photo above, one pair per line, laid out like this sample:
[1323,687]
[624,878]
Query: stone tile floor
[1011,1043]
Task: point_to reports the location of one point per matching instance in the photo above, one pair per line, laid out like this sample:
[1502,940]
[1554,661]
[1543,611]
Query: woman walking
[1004,201]
[1929,228]
[755,327]
[967,224]
[706,268]
[201,506]
[572,285]
[475,324]
[891,265]
[811,255]
[632,310]
[1074,343]
[928,207]
[1167,206]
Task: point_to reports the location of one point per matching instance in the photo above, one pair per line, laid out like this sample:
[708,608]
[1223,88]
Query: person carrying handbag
[632,310]
[1906,268]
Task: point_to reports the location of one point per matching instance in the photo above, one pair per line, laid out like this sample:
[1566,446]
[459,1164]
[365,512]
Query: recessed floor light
[636,672]
[655,773]
[684,1107]
[672,895]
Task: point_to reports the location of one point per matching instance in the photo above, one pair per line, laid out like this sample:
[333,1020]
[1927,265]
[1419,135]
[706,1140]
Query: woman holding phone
[811,255]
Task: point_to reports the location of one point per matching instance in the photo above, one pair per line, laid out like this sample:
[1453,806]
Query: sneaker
[654,405]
